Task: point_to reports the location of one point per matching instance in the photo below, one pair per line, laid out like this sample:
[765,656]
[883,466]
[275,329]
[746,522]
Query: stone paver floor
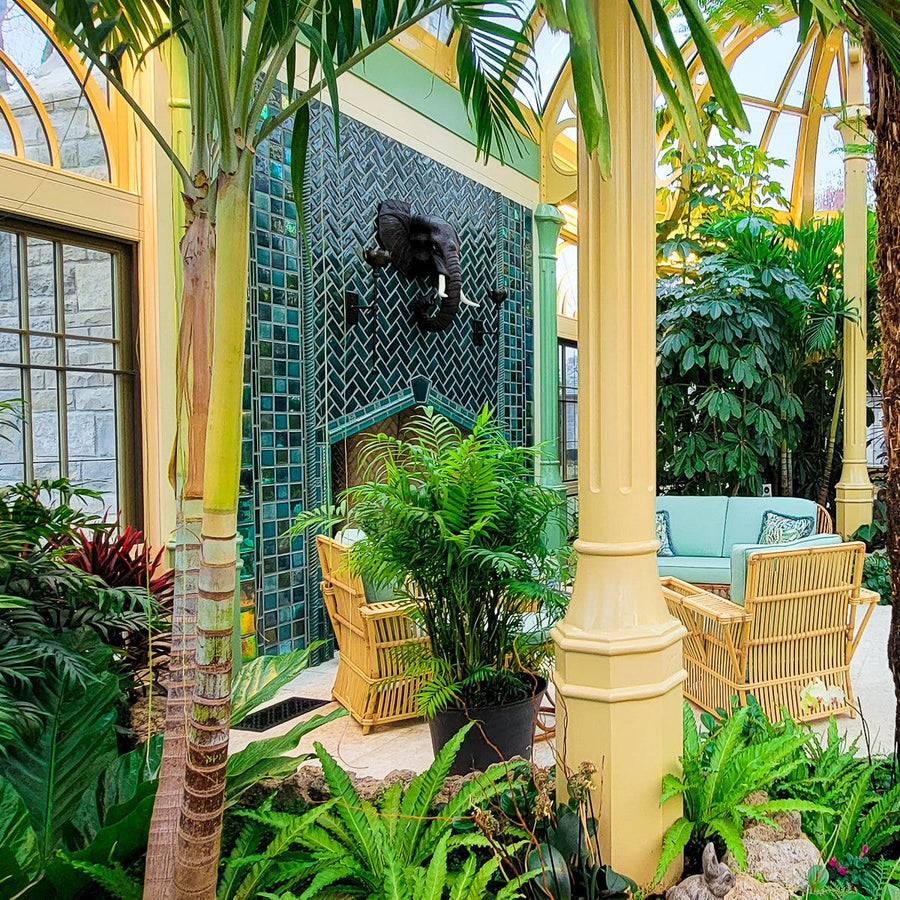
[408,745]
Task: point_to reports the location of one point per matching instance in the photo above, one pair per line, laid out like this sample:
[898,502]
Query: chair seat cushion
[696,569]
[375,593]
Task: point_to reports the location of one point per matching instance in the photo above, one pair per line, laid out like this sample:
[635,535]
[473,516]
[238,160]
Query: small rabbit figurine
[715,882]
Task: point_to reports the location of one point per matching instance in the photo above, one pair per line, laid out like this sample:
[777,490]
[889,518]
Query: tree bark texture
[203,801]
[884,92]
[194,365]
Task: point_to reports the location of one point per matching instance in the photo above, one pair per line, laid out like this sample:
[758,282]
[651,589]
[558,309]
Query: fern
[460,520]
[112,878]
[720,768]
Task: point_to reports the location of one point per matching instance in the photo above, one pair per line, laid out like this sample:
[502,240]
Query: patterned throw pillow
[664,534]
[778,528]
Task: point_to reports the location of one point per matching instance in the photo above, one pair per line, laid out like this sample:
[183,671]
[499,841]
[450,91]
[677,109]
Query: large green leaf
[120,788]
[76,744]
[260,679]
[266,759]
[20,861]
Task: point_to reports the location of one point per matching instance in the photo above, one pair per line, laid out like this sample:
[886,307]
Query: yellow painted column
[619,672]
[854,489]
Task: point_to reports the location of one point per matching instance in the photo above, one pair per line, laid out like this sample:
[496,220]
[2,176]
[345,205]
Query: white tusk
[465,300]
[442,286]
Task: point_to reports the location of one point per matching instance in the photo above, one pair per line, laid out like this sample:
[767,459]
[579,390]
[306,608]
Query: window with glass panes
[568,410]
[67,365]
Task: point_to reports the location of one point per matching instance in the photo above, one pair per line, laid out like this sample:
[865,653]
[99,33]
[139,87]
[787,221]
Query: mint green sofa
[713,536]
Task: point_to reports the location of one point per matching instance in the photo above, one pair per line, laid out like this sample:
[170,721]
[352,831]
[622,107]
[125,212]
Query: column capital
[548,220]
[854,130]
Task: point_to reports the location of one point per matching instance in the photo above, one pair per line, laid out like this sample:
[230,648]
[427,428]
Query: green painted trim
[393,72]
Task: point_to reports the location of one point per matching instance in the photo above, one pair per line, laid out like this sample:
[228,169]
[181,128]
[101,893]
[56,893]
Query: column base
[855,497]
[619,706]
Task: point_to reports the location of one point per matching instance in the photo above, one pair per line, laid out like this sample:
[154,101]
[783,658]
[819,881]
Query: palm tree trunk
[203,803]
[198,278]
[832,442]
[884,93]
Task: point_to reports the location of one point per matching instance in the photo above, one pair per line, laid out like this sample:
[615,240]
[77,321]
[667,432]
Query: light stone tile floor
[408,745]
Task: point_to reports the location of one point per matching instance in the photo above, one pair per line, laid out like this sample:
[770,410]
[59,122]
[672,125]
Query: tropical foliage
[453,521]
[743,332]
[722,766]
[56,617]
[400,846]
[79,812]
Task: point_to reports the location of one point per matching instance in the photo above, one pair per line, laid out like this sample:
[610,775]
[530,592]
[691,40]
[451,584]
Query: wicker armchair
[803,615]
[370,682]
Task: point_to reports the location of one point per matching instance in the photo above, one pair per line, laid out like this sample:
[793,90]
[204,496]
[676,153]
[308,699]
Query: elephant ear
[392,231]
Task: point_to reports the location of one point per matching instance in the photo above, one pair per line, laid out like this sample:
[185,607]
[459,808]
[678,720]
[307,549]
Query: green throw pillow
[777,528]
[664,534]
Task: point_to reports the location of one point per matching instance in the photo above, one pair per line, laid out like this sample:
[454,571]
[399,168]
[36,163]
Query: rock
[785,862]
[746,887]
[787,828]
[308,786]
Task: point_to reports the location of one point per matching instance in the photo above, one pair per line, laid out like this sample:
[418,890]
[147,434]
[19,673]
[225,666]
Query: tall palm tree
[876,24]
[235,50]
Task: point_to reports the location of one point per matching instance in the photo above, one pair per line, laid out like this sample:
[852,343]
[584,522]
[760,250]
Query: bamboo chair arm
[386,610]
[869,600]
[714,607]
[866,596]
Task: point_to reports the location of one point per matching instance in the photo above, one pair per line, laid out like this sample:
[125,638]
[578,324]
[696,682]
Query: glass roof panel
[796,95]
[440,24]
[829,167]
[833,88]
[551,50]
[760,69]
[783,146]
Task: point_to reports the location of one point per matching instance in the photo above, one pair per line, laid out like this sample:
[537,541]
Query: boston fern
[456,522]
[397,847]
[721,768]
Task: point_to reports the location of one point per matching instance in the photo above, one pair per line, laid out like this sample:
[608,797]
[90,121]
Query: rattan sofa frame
[803,615]
[370,681]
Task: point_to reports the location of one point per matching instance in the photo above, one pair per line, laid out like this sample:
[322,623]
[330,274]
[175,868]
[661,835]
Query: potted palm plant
[455,522]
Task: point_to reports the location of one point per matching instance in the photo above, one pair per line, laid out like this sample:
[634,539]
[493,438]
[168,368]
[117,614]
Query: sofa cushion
[664,534]
[696,524]
[745,516]
[778,528]
[696,569]
[740,554]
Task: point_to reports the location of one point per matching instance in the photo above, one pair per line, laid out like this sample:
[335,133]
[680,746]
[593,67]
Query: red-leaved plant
[122,558]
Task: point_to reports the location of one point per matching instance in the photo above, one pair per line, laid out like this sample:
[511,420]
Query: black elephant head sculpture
[423,247]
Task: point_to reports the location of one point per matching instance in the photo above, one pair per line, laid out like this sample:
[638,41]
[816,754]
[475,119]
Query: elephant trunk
[430,319]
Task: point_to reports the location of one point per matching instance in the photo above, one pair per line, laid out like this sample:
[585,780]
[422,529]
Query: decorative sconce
[377,259]
[497,296]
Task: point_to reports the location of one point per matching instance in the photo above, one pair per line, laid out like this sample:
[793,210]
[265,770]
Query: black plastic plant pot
[499,733]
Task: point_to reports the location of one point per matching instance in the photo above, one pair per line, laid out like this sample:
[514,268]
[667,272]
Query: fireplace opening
[347,468]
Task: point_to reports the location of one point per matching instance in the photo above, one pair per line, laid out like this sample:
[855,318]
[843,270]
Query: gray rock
[784,862]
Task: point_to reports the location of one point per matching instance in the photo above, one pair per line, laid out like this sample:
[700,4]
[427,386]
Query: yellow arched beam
[14,130]
[805,176]
[111,123]
[38,105]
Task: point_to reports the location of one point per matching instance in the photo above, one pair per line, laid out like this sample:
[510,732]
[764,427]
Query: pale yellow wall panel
[38,192]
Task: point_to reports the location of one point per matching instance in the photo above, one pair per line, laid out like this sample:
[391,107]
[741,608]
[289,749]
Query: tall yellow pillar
[618,652]
[854,489]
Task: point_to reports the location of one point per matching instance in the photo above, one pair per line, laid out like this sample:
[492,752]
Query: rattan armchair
[370,681]
[803,615]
